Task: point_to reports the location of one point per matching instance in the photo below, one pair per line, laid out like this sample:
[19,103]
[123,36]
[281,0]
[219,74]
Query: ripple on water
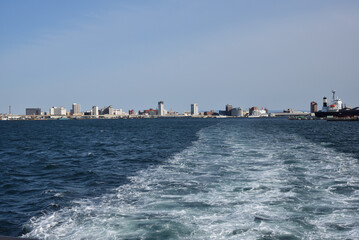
[237,181]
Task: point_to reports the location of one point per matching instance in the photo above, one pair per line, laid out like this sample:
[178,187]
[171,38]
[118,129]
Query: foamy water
[234,182]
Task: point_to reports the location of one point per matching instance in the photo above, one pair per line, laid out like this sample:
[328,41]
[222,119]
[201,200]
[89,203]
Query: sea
[265,178]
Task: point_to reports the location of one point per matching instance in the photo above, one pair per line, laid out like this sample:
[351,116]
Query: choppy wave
[234,182]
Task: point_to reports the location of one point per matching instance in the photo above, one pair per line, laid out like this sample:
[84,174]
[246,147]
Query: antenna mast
[333,91]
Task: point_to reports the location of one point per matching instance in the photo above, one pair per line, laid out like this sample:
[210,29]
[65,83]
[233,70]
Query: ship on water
[336,109]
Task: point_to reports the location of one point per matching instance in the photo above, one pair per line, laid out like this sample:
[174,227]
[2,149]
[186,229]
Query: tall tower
[161,110]
[95,110]
[76,109]
[313,107]
[228,109]
[194,109]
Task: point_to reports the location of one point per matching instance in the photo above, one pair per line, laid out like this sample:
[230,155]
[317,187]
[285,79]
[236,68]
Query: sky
[132,54]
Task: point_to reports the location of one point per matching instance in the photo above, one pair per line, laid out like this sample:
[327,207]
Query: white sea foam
[224,186]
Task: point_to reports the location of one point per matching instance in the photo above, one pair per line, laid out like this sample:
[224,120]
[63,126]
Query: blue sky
[131,54]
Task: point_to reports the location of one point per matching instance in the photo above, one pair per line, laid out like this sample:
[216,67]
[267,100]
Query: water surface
[180,179]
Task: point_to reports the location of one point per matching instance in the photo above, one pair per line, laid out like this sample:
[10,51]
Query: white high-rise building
[194,109]
[161,110]
[110,110]
[95,110]
[60,111]
[76,109]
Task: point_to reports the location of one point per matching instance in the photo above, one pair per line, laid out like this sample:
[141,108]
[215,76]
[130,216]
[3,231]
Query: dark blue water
[46,164]
[180,179]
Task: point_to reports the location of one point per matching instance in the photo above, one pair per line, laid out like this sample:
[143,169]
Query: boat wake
[233,183]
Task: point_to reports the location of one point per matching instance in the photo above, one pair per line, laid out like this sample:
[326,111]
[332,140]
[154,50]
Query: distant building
[228,109]
[107,110]
[131,112]
[209,113]
[289,110]
[95,110]
[33,111]
[252,109]
[194,109]
[171,113]
[237,112]
[58,111]
[117,112]
[313,107]
[186,113]
[150,112]
[161,110]
[222,112]
[76,109]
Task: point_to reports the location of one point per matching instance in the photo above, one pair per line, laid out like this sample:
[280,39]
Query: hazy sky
[131,54]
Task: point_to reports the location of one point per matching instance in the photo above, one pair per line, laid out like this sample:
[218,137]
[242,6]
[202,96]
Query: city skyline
[193,109]
[276,54]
